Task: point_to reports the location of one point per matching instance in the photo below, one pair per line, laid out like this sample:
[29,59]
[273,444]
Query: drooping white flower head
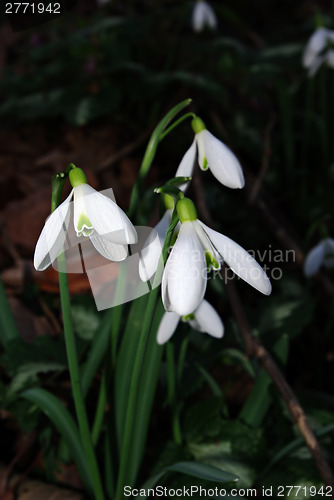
[151,253]
[95,216]
[204,319]
[214,155]
[196,249]
[318,51]
[203,17]
[320,255]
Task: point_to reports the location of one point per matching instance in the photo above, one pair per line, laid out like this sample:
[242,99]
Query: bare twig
[254,348]
[265,159]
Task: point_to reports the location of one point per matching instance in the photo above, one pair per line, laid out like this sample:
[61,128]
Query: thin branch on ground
[254,348]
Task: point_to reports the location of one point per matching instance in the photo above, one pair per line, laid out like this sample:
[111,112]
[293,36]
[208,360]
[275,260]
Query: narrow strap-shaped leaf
[148,383]
[8,328]
[202,471]
[97,351]
[195,469]
[259,400]
[64,422]
[125,362]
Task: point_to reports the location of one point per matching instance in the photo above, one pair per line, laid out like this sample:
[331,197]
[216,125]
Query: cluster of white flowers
[197,248]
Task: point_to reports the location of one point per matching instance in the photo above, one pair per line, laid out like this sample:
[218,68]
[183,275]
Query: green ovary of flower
[169,202]
[197,125]
[211,261]
[77,177]
[186,210]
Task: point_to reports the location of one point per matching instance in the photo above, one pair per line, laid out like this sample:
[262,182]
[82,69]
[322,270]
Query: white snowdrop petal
[184,278]
[206,244]
[222,162]
[107,218]
[240,261]
[314,46]
[167,327]
[109,250]
[186,167]
[314,259]
[208,320]
[53,235]
[202,160]
[152,250]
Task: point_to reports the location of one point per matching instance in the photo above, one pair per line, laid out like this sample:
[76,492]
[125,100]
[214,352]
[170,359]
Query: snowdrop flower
[197,249]
[214,155]
[203,17]
[95,216]
[151,253]
[320,255]
[317,50]
[204,319]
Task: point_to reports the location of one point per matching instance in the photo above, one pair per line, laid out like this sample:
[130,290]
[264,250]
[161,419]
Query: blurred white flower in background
[319,49]
[320,255]
[203,17]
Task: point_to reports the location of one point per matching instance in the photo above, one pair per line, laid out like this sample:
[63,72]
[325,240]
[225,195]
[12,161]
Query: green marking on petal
[211,261]
[84,226]
[188,317]
[205,164]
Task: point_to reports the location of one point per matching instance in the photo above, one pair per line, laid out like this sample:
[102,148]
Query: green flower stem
[75,381]
[117,311]
[182,357]
[325,114]
[306,138]
[176,124]
[150,153]
[100,410]
[172,393]
[73,363]
[9,329]
[134,385]
[135,379]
